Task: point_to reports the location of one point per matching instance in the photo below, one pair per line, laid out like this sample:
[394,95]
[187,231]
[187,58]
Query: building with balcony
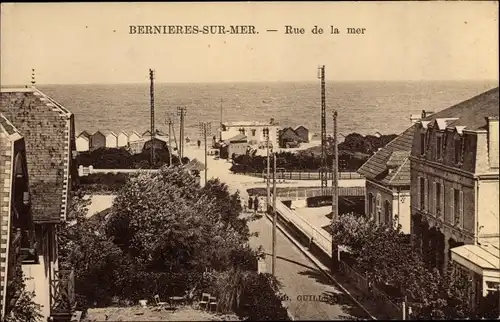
[454,189]
[48,132]
[256,132]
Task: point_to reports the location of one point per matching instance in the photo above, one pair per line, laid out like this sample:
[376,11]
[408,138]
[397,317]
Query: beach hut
[111,139]
[97,140]
[122,139]
[288,136]
[83,141]
[134,136]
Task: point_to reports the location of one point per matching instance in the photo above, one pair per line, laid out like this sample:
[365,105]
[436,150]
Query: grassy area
[138,313]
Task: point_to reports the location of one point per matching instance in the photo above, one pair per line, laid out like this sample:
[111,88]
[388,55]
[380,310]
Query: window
[370,204]
[387,213]
[422,143]
[457,207]
[437,202]
[253,132]
[439,146]
[421,193]
[459,146]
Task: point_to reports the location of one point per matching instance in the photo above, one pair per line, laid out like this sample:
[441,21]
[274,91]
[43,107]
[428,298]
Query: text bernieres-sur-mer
[192,30]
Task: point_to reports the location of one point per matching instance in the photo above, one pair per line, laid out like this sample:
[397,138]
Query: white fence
[85,171]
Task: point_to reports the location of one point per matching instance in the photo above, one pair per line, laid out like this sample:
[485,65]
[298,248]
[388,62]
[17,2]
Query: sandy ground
[99,203]
[138,313]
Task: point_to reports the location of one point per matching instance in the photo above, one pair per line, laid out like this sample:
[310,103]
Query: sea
[362,107]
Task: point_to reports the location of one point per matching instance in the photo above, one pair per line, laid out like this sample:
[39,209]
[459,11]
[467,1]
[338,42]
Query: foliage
[122,158]
[98,182]
[386,257]
[163,233]
[24,309]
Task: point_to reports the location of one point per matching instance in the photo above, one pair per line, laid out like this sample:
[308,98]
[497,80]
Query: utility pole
[335,193]
[221,119]
[152,101]
[274,214]
[181,111]
[205,127]
[324,166]
[169,122]
[268,196]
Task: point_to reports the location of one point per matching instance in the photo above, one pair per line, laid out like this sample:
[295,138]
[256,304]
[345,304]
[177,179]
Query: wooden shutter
[434,201]
[452,205]
[441,201]
[461,207]
[426,195]
[419,196]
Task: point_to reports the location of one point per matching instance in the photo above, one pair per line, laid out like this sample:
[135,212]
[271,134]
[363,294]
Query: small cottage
[289,138]
[111,139]
[237,145]
[303,133]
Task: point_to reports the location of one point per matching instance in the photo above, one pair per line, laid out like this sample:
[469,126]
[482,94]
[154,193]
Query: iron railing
[303,175]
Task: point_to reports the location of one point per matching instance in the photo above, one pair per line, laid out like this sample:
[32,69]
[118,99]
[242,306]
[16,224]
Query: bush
[98,182]
[122,158]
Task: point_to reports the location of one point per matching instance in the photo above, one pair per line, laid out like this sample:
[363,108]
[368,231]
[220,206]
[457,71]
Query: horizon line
[262,82]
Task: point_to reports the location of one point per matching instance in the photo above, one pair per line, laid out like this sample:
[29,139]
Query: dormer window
[439,147]
[422,143]
[459,150]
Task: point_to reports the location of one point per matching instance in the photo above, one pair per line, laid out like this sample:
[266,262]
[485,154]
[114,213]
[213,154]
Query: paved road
[300,277]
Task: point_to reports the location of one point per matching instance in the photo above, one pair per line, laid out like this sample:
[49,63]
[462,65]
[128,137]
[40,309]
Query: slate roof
[289,133]
[390,165]
[48,130]
[236,138]
[470,113]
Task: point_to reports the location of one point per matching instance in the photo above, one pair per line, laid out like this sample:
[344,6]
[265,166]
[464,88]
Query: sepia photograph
[249,161]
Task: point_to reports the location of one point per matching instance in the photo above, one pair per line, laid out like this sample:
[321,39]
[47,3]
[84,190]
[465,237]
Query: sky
[87,43]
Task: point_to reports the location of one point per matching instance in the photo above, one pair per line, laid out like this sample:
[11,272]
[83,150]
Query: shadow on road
[291,261]
[338,298]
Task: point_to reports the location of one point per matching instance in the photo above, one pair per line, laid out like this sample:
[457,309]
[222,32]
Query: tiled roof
[47,130]
[470,113]
[395,154]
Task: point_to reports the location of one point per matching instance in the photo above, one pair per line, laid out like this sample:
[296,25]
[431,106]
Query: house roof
[123,132]
[301,127]
[289,133]
[394,156]
[134,132]
[47,130]
[84,134]
[194,164]
[483,256]
[236,138]
[469,114]
[248,123]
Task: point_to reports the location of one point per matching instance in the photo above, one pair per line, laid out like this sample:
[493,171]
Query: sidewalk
[318,221]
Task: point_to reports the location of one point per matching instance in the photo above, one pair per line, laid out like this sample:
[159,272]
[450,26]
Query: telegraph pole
[152,101]
[221,119]
[274,214]
[205,127]
[268,197]
[169,122]
[335,192]
[181,111]
[324,165]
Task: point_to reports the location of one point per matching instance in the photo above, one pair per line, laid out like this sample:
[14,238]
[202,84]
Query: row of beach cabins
[86,141]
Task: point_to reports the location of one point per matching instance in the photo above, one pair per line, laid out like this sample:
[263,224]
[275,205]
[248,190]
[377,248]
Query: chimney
[493,141]
[271,122]
[414,118]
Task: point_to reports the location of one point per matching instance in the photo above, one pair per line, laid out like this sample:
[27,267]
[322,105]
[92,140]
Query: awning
[481,259]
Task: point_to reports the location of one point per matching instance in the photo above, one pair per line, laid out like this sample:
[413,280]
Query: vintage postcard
[260,161]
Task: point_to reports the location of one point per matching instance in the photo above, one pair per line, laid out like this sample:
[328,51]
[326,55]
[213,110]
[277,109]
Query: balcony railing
[62,292]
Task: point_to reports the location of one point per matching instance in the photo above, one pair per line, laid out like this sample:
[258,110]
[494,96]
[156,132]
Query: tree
[24,309]
[386,257]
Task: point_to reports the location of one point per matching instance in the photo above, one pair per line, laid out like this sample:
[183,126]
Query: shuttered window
[452,206]
[461,207]
[421,193]
[434,198]
[426,194]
